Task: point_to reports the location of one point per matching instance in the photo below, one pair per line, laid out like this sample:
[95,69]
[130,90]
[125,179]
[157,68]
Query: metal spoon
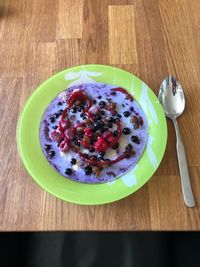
[172,98]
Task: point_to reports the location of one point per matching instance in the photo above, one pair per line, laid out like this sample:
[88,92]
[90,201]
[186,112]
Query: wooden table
[149,38]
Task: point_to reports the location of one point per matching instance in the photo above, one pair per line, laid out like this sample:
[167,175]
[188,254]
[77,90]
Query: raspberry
[56,136]
[69,133]
[107,134]
[112,140]
[65,124]
[88,132]
[64,146]
[101,145]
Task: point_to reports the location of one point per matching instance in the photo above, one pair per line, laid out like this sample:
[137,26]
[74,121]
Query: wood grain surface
[150,38]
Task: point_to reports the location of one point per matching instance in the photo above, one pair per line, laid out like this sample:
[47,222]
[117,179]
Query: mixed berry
[99,128]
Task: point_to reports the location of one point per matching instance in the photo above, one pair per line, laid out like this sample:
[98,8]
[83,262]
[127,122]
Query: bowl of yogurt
[92,134]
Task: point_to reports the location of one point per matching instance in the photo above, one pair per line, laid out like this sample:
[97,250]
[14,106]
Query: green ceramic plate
[49,179]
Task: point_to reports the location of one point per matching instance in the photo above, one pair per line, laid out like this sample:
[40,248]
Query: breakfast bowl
[92,134]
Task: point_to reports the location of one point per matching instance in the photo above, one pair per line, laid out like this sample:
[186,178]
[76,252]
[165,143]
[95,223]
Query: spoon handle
[183,168]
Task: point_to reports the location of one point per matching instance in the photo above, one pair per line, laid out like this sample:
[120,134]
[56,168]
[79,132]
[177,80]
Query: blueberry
[126,113]
[85,156]
[73,110]
[109,124]
[60,112]
[80,135]
[59,103]
[47,147]
[97,127]
[52,119]
[88,170]
[82,115]
[119,116]
[79,109]
[94,101]
[99,96]
[117,119]
[92,142]
[51,153]
[113,93]
[56,115]
[115,133]
[74,139]
[73,161]
[68,171]
[101,154]
[94,157]
[102,112]
[135,139]
[93,129]
[76,143]
[101,123]
[55,127]
[126,131]
[94,138]
[102,104]
[98,117]
[111,119]
[103,130]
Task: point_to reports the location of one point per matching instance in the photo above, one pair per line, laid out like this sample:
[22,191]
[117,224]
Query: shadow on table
[99,249]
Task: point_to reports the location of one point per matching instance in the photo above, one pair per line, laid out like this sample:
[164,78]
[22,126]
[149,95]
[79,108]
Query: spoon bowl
[171,97]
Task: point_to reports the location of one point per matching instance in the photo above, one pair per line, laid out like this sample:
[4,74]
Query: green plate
[94,194]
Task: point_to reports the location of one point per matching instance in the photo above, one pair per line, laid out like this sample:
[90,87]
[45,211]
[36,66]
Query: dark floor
[96,249]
